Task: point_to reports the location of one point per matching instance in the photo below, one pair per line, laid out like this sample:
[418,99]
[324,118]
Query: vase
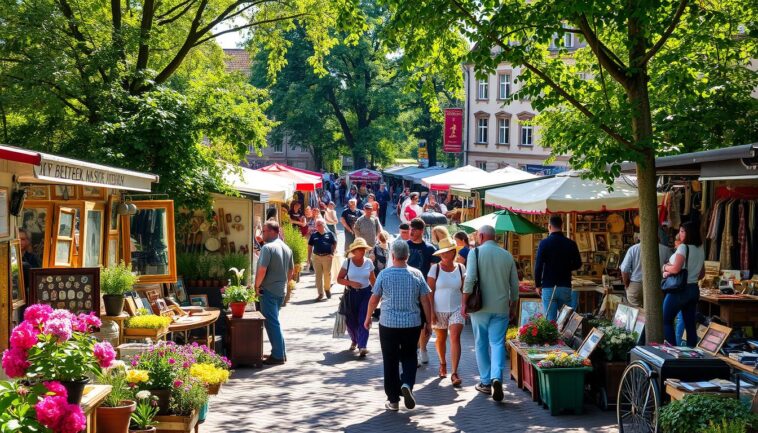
[147,430]
[75,389]
[109,331]
[164,396]
[203,412]
[114,304]
[238,309]
[115,419]
[562,388]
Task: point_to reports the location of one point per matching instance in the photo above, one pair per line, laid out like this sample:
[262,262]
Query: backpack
[380,259]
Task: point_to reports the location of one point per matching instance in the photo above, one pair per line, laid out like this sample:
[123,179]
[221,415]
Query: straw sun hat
[358,244]
[446,244]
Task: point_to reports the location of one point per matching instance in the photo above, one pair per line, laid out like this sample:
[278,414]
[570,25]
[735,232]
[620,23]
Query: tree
[140,83]
[614,113]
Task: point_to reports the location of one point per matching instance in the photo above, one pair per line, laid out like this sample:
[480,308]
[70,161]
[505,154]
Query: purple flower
[59,328]
[171,361]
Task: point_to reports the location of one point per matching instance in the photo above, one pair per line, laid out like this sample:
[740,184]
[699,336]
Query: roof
[237,60]
[728,162]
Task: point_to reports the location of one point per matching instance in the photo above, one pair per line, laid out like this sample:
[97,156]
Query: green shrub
[726,427]
[204,265]
[297,243]
[694,412]
[117,280]
[236,260]
[186,265]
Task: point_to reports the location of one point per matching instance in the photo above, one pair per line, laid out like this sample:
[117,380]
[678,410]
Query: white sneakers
[391,406]
[423,356]
[408,399]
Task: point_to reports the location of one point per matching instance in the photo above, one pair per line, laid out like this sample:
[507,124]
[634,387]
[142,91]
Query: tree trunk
[359,159]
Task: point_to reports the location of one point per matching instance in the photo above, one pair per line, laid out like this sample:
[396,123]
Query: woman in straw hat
[357,275]
[446,281]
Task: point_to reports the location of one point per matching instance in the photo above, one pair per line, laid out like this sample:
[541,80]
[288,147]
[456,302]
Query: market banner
[57,169]
[453,139]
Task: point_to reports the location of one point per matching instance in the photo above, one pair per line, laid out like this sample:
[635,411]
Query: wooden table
[92,398]
[737,365]
[120,319]
[207,319]
[588,297]
[245,339]
[678,394]
[742,311]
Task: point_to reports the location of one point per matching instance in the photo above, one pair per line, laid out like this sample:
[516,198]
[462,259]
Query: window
[483,89]
[482,165]
[482,124]
[504,86]
[526,135]
[503,130]
[568,40]
[277,147]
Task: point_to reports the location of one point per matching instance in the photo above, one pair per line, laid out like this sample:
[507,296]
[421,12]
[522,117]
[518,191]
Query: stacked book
[747,358]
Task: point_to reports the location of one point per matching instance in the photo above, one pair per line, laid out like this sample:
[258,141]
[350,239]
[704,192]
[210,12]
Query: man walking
[321,246]
[348,219]
[367,226]
[275,269]
[421,257]
[403,292]
[631,275]
[495,271]
[557,257]
[383,197]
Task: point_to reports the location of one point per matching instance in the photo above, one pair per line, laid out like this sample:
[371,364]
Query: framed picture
[601,241]
[528,308]
[615,241]
[145,304]
[130,306]
[37,192]
[583,241]
[181,292]
[5,221]
[625,317]
[715,337]
[563,317]
[63,192]
[613,260]
[198,300]
[161,306]
[574,322]
[73,289]
[590,343]
[17,287]
[639,325]
[91,193]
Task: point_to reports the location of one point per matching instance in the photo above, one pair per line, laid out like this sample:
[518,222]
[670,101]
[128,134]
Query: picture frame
[600,241]
[130,306]
[37,192]
[625,317]
[574,322]
[563,317]
[639,325]
[16,284]
[161,306]
[590,343]
[73,289]
[528,308]
[583,241]
[63,192]
[87,192]
[181,291]
[715,337]
[5,220]
[145,304]
[614,260]
[199,300]
[615,241]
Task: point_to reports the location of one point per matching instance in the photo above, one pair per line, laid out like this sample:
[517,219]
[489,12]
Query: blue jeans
[270,305]
[489,335]
[563,296]
[680,329]
[684,302]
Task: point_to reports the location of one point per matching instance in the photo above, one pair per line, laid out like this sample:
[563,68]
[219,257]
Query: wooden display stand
[93,397]
[245,339]
[177,423]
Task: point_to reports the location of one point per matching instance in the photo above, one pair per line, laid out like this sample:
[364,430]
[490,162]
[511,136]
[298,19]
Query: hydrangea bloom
[37,314]
[55,413]
[60,328]
[105,354]
[56,389]
[24,336]
[15,362]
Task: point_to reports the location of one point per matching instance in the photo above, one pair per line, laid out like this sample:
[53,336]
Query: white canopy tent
[425,172]
[566,192]
[457,176]
[259,182]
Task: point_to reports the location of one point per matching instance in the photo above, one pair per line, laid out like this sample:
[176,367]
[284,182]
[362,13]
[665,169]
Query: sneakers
[484,389]
[352,346]
[497,390]
[392,406]
[363,352]
[328,294]
[408,399]
[423,356]
[270,360]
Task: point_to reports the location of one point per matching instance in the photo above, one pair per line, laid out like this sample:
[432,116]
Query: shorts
[444,320]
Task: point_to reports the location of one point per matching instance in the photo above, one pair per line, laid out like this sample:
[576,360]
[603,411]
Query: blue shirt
[464,252]
[557,257]
[401,290]
[322,244]
[383,197]
[422,256]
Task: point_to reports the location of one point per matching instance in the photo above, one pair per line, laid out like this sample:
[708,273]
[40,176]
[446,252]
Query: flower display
[136,377]
[147,408]
[148,321]
[209,374]
[539,331]
[560,359]
[42,407]
[57,414]
[55,345]
[237,292]
[617,342]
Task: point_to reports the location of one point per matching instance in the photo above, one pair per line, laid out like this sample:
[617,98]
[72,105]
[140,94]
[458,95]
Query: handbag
[340,327]
[677,282]
[474,301]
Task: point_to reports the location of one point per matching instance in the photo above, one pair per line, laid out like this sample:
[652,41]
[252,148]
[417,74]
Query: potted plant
[239,261]
[42,407]
[204,264]
[188,396]
[299,246]
[114,282]
[147,325]
[114,414]
[561,381]
[143,418]
[186,265]
[610,363]
[210,375]
[539,331]
[237,296]
[56,345]
[696,412]
[202,355]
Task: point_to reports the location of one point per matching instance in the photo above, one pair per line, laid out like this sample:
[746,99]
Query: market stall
[471,193]
[457,176]
[307,181]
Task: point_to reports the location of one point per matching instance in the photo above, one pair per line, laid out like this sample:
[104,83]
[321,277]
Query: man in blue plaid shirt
[400,288]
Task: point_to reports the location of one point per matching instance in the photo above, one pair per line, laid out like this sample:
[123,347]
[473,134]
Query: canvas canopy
[304,180]
[270,187]
[457,176]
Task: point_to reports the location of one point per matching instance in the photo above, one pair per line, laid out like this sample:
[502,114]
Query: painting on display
[73,289]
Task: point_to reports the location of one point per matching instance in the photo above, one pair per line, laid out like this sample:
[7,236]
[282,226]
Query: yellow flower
[209,374]
[137,376]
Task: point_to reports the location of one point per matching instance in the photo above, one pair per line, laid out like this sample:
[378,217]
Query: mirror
[112,251]
[34,227]
[94,238]
[149,246]
[17,288]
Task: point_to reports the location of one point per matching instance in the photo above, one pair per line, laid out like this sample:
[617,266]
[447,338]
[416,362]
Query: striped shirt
[400,290]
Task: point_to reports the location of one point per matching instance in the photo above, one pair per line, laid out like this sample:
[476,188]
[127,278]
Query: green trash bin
[562,388]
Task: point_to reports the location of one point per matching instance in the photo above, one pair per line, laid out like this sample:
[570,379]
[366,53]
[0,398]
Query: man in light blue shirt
[631,275]
[400,289]
[495,270]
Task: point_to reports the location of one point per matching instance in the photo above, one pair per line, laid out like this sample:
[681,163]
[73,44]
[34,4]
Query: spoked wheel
[638,400]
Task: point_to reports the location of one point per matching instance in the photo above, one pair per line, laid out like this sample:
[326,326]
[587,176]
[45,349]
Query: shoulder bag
[677,282]
[474,301]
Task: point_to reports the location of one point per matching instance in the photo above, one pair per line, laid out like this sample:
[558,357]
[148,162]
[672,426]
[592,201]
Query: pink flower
[15,362]
[37,314]
[92,320]
[62,315]
[534,332]
[186,365]
[105,354]
[55,413]
[56,388]
[24,336]
[171,361]
[74,421]
[178,383]
[59,328]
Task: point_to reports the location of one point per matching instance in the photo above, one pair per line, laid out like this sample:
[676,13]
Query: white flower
[143,395]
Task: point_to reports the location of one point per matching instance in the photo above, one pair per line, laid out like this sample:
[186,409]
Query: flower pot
[176,423]
[145,332]
[75,389]
[213,389]
[164,396]
[149,430]
[238,309]
[115,419]
[114,304]
[203,412]
[562,388]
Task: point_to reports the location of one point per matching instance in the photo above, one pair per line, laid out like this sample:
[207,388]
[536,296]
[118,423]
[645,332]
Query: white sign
[70,171]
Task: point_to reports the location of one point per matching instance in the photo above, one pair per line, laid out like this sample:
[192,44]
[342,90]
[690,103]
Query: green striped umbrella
[504,221]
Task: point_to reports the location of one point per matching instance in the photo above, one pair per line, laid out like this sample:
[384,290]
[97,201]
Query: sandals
[443,370]
[456,380]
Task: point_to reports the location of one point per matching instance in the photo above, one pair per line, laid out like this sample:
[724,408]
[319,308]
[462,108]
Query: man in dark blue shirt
[383,197]
[421,257]
[557,257]
[321,246]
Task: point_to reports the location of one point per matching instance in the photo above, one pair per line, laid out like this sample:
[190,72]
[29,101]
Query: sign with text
[453,139]
[69,171]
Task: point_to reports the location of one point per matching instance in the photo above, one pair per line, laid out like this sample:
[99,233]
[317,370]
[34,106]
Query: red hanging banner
[453,139]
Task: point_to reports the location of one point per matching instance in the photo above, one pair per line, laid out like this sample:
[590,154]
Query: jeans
[489,336]
[332,228]
[574,300]
[398,347]
[563,296]
[357,308]
[680,329]
[684,302]
[383,213]
[270,305]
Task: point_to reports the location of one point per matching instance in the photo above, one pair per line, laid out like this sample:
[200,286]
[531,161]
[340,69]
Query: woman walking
[446,281]
[689,255]
[331,217]
[357,275]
